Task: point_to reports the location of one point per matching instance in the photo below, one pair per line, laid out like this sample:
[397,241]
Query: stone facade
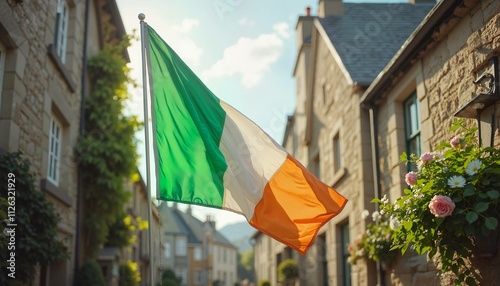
[451,48]
[38,84]
[138,251]
[441,75]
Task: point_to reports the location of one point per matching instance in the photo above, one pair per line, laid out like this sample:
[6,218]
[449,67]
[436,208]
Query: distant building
[138,252]
[195,250]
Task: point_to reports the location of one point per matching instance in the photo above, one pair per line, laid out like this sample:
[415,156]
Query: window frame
[337,153]
[54,151]
[409,117]
[345,239]
[61,29]
[180,246]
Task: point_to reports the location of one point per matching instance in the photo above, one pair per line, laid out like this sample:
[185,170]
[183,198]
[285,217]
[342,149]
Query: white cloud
[186,25]
[282,30]
[178,37]
[250,57]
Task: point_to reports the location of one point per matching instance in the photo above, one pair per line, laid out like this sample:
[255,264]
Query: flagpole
[143,24]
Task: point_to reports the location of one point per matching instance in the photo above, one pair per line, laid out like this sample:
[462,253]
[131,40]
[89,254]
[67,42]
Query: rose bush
[374,243]
[453,198]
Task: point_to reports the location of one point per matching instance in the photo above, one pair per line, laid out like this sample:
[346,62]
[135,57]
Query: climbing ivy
[32,234]
[107,150]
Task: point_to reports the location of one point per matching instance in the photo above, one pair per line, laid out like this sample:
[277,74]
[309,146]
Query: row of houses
[44,49]
[374,80]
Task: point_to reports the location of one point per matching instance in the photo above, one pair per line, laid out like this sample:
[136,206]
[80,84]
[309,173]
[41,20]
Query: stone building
[195,250]
[138,252]
[424,86]
[43,45]
[340,53]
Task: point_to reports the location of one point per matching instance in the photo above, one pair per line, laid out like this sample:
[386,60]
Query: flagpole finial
[141,16]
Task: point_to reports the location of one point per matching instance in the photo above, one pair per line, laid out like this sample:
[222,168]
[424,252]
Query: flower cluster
[453,198]
[374,243]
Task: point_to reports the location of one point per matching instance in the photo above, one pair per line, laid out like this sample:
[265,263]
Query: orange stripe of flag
[295,205]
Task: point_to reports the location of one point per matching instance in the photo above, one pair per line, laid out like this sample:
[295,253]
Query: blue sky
[244,50]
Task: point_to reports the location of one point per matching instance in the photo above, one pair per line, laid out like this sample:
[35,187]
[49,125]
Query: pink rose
[456,142]
[411,178]
[427,157]
[441,206]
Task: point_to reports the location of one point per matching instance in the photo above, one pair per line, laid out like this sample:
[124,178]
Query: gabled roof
[368,35]
[180,222]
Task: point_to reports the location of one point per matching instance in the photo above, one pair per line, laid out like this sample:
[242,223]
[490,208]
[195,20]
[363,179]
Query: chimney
[330,8]
[304,27]
[210,221]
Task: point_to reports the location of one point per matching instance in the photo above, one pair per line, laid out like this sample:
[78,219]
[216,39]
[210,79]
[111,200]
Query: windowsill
[338,176]
[51,51]
[57,192]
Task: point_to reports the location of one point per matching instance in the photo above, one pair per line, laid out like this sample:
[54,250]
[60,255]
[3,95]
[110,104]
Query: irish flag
[211,155]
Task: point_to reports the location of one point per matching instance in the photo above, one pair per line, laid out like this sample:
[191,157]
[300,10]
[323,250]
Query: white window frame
[55,141]
[197,253]
[61,31]
[180,246]
[168,250]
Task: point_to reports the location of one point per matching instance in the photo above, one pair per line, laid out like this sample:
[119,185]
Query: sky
[243,50]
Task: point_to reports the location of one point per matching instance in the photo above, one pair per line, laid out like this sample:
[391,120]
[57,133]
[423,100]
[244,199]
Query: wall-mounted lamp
[482,101]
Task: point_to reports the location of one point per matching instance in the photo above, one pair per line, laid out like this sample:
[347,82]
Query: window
[346,267]
[224,259]
[412,127]
[180,246]
[182,273]
[167,250]
[197,253]
[55,136]
[337,159]
[323,257]
[198,275]
[61,31]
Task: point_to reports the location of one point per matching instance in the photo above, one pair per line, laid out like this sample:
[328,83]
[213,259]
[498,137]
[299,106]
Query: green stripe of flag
[189,122]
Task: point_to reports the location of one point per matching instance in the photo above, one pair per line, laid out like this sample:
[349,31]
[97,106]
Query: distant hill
[239,234]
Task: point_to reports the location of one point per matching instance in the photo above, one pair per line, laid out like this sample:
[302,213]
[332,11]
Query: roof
[418,41]
[178,222]
[368,35]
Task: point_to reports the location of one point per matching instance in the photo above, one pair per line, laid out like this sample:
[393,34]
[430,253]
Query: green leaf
[407,225]
[481,207]
[403,157]
[471,217]
[469,229]
[493,194]
[469,190]
[491,223]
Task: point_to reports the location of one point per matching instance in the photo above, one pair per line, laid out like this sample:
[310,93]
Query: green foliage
[246,266]
[288,269]
[375,243]
[90,274]
[168,278]
[36,232]
[122,231]
[129,274]
[264,283]
[107,150]
[452,199]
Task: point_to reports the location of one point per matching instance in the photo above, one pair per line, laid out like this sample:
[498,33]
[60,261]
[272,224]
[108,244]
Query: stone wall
[442,78]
